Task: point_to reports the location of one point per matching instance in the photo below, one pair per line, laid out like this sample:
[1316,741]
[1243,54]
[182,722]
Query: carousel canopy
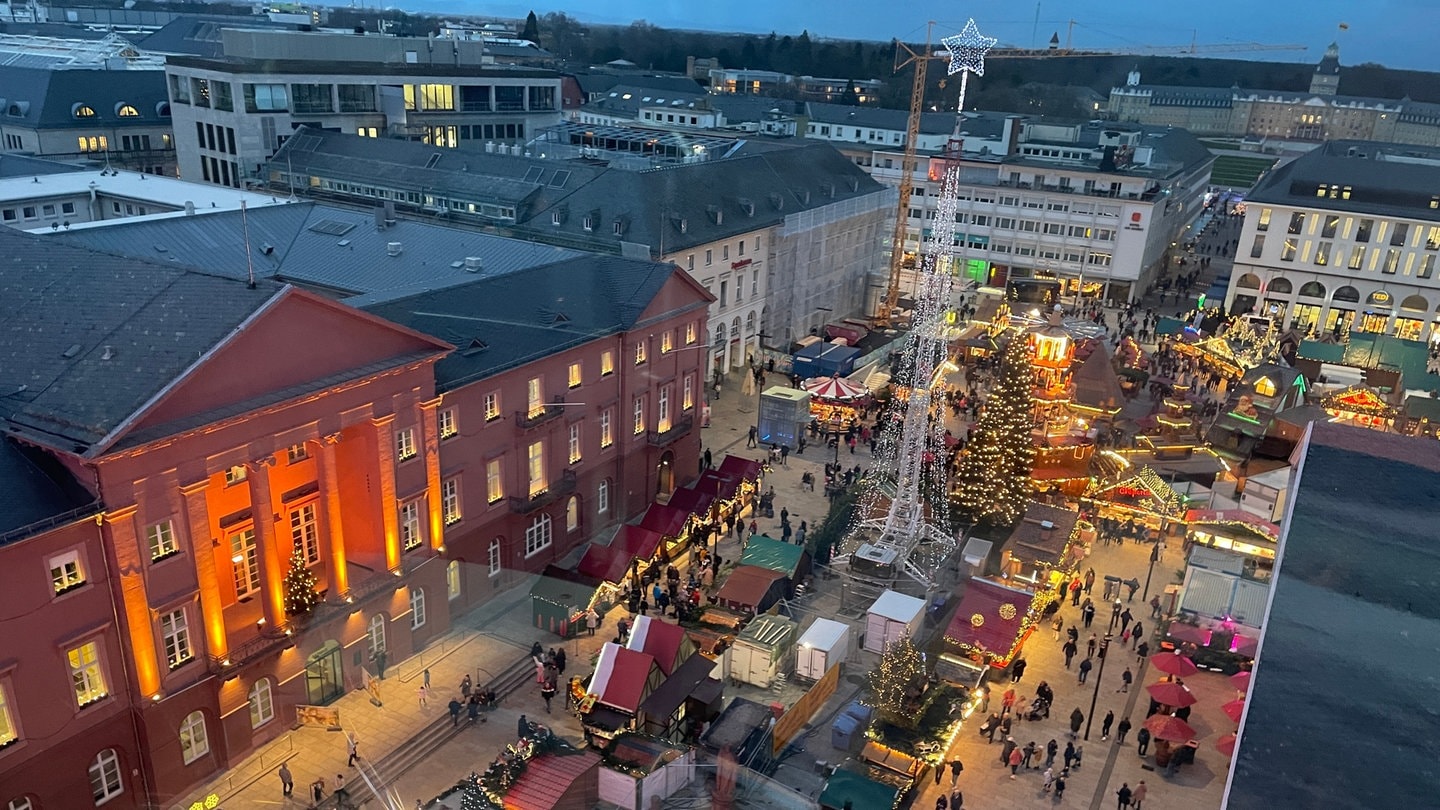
[835,388]
[1096,386]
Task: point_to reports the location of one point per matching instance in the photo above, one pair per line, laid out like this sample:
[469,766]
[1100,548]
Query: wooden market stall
[559,601]
[766,552]
[667,643]
[630,553]
[569,781]
[993,620]
[687,698]
[623,678]
[1043,548]
[751,589]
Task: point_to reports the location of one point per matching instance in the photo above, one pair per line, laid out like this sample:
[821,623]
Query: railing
[315,108]
[250,650]
[660,438]
[50,522]
[557,490]
[527,419]
[475,106]
[510,106]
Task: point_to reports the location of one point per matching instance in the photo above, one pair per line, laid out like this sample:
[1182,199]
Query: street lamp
[1099,675]
[1154,555]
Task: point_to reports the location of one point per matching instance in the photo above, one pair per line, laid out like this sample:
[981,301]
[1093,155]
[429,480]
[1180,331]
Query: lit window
[417,607]
[537,537]
[244,564]
[535,465]
[492,406]
[494,482]
[175,632]
[452,579]
[85,675]
[305,533]
[574,443]
[662,408]
[437,96]
[8,734]
[690,332]
[194,743]
[574,378]
[572,514]
[410,525]
[607,363]
[450,501]
[639,415]
[405,444]
[687,393]
[607,430]
[84,111]
[235,475]
[667,341]
[1265,387]
[262,703]
[66,573]
[296,452]
[105,781]
[640,353]
[446,421]
[494,557]
[534,406]
[127,111]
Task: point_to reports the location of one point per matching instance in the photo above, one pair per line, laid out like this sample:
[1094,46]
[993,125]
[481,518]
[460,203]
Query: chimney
[393,248]
[389,212]
[379,218]
[473,264]
[189,208]
[1011,133]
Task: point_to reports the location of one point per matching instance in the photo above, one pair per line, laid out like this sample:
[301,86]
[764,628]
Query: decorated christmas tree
[992,482]
[300,593]
[898,682]
[472,797]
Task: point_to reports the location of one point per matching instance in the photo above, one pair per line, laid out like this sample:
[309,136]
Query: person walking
[1087,613]
[472,709]
[455,707]
[1135,634]
[287,782]
[1105,725]
[1015,759]
[465,687]
[1060,785]
[1069,755]
[1051,749]
[1006,749]
[1137,796]
[352,745]
[750,440]
[1090,646]
[1125,618]
[423,692]
[1077,719]
[957,800]
[1017,670]
[1142,651]
[560,661]
[547,692]
[1085,667]
[1049,776]
[1122,729]
[1124,794]
[317,790]
[1069,649]
[956,766]
[1126,678]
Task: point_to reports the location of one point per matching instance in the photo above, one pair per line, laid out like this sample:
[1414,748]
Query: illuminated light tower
[909,538]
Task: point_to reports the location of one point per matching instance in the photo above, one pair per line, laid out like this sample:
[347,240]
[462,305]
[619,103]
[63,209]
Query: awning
[746,469]
[610,563]
[666,520]
[692,500]
[1222,516]
[724,487]
[834,388]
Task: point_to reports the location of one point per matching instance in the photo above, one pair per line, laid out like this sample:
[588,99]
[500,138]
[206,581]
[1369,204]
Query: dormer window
[126,111]
[589,223]
[82,111]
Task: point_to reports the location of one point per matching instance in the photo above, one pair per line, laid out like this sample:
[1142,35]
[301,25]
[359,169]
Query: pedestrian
[287,782]
[1135,634]
[560,661]
[1006,748]
[1125,678]
[623,629]
[750,441]
[1142,740]
[1090,646]
[465,687]
[1069,649]
[1051,749]
[1069,755]
[1137,796]
[1060,785]
[1077,719]
[380,658]
[957,800]
[1123,794]
[426,675]
[942,802]
[1015,759]
[785,455]
[455,707]
[1142,651]
[1105,725]
[1087,614]
[547,692]
[956,766]
[317,789]
[1122,729]
[1089,580]
[424,694]
[1125,618]
[1058,625]
[592,621]
[472,709]
[939,771]
[1085,667]
[1029,752]
[1049,780]
[1154,609]
[1007,701]
[522,728]
[1017,670]
[352,745]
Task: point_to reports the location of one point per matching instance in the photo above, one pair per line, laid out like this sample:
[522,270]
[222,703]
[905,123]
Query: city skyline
[1390,39]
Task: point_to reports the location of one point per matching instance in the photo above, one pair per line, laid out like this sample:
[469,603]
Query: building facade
[1344,238]
[232,114]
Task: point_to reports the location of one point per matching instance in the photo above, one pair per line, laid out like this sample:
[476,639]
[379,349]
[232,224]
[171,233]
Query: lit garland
[301,594]
[1357,399]
[992,481]
[1038,602]
[893,683]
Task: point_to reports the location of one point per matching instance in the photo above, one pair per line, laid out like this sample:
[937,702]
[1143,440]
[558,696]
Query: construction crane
[906,56]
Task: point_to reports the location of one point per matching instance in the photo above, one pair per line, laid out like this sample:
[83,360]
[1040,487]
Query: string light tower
[915,539]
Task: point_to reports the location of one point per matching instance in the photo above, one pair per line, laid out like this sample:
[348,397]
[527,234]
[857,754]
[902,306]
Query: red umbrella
[1173,663]
[1172,694]
[1168,727]
[1241,681]
[1234,709]
[1226,745]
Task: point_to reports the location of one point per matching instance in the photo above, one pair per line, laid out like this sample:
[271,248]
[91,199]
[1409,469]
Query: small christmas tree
[300,593]
[473,796]
[898,682]
[992,482]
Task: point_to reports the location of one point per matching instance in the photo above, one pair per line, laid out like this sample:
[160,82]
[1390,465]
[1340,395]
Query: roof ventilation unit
[472,264]
[394,248]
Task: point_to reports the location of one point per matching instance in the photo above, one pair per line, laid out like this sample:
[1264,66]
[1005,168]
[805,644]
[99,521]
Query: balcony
[525,420]
[248,651]
[556,491]
[661,438]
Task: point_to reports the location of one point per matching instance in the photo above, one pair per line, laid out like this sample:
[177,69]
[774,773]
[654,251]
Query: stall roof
[724,486]
[621,676]
[1029,540]
[1096,385]
[765,551]
[666,520]
[681,684]
[563,592]
[610,563]
[897,606]
[735,724]
[859,790]
[823,633]
[989,616]
[741,467]
[649,754]
[691,500]
[659,640]
[768,631]
[1252,522]
[748,586]
[547,780]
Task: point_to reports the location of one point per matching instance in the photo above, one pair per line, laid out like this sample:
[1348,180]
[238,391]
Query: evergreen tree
[852,95]
[300,593]
[899,681]
[992,483]
[473,795]
[532,29]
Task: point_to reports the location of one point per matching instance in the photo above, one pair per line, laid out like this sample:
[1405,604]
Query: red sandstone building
[205,427]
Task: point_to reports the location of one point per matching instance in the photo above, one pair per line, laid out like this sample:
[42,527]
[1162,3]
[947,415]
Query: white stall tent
[628,790]
[893,616]
[824,644]
[762,651]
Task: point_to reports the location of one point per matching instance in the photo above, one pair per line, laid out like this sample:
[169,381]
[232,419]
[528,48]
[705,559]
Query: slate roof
[650,205]
[1028,539]
[504,321]
[47,98]
[319,246]
[598,81]
[1352,592]
[880,118]
[26,166]
[35,491]
[58,300]
[1385,179]
[323,67]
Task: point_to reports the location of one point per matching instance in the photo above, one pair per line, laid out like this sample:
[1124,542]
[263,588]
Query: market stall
[667,643]
[698,503]
[751,589]
[789,559]
[557,781]
[835,402]
[670,522]
[1234,530]
[623,678]
[630,552]
[746,473]
[993,620]
[687,697]
[1043,547]
[893,616]
[558,602]
[762,651]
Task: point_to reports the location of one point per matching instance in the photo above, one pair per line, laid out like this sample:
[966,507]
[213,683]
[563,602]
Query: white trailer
[824,644]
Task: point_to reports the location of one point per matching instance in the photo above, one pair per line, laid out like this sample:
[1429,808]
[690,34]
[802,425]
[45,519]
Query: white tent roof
[897,606]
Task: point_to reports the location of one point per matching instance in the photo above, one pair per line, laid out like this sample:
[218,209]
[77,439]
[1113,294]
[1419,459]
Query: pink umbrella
[1241,681]
[1173,663]
[1226,745]
[1170,728]
[1172,694]
[1234,709]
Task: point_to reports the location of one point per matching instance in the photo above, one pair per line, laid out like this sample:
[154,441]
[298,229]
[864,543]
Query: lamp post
[1154,555]
[1099,675]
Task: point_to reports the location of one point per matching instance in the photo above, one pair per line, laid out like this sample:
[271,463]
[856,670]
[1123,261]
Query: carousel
[835,403]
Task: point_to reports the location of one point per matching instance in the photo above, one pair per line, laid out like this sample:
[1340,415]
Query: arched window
[452,579]
[105,781]
[1347,294]
[1416,303]
[1312,289]
[194,743]
[1249,281]
[1280,286]
[602,497]
[262,703]
[124,110]
[750,324]
[572,514]
[82,111]
[417,607]
[162,109]
[375,634]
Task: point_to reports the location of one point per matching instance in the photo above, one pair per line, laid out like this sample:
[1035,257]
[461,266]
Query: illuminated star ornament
[967,49]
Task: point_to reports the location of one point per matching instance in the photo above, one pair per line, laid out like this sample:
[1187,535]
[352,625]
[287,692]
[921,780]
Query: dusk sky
[1396,33]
